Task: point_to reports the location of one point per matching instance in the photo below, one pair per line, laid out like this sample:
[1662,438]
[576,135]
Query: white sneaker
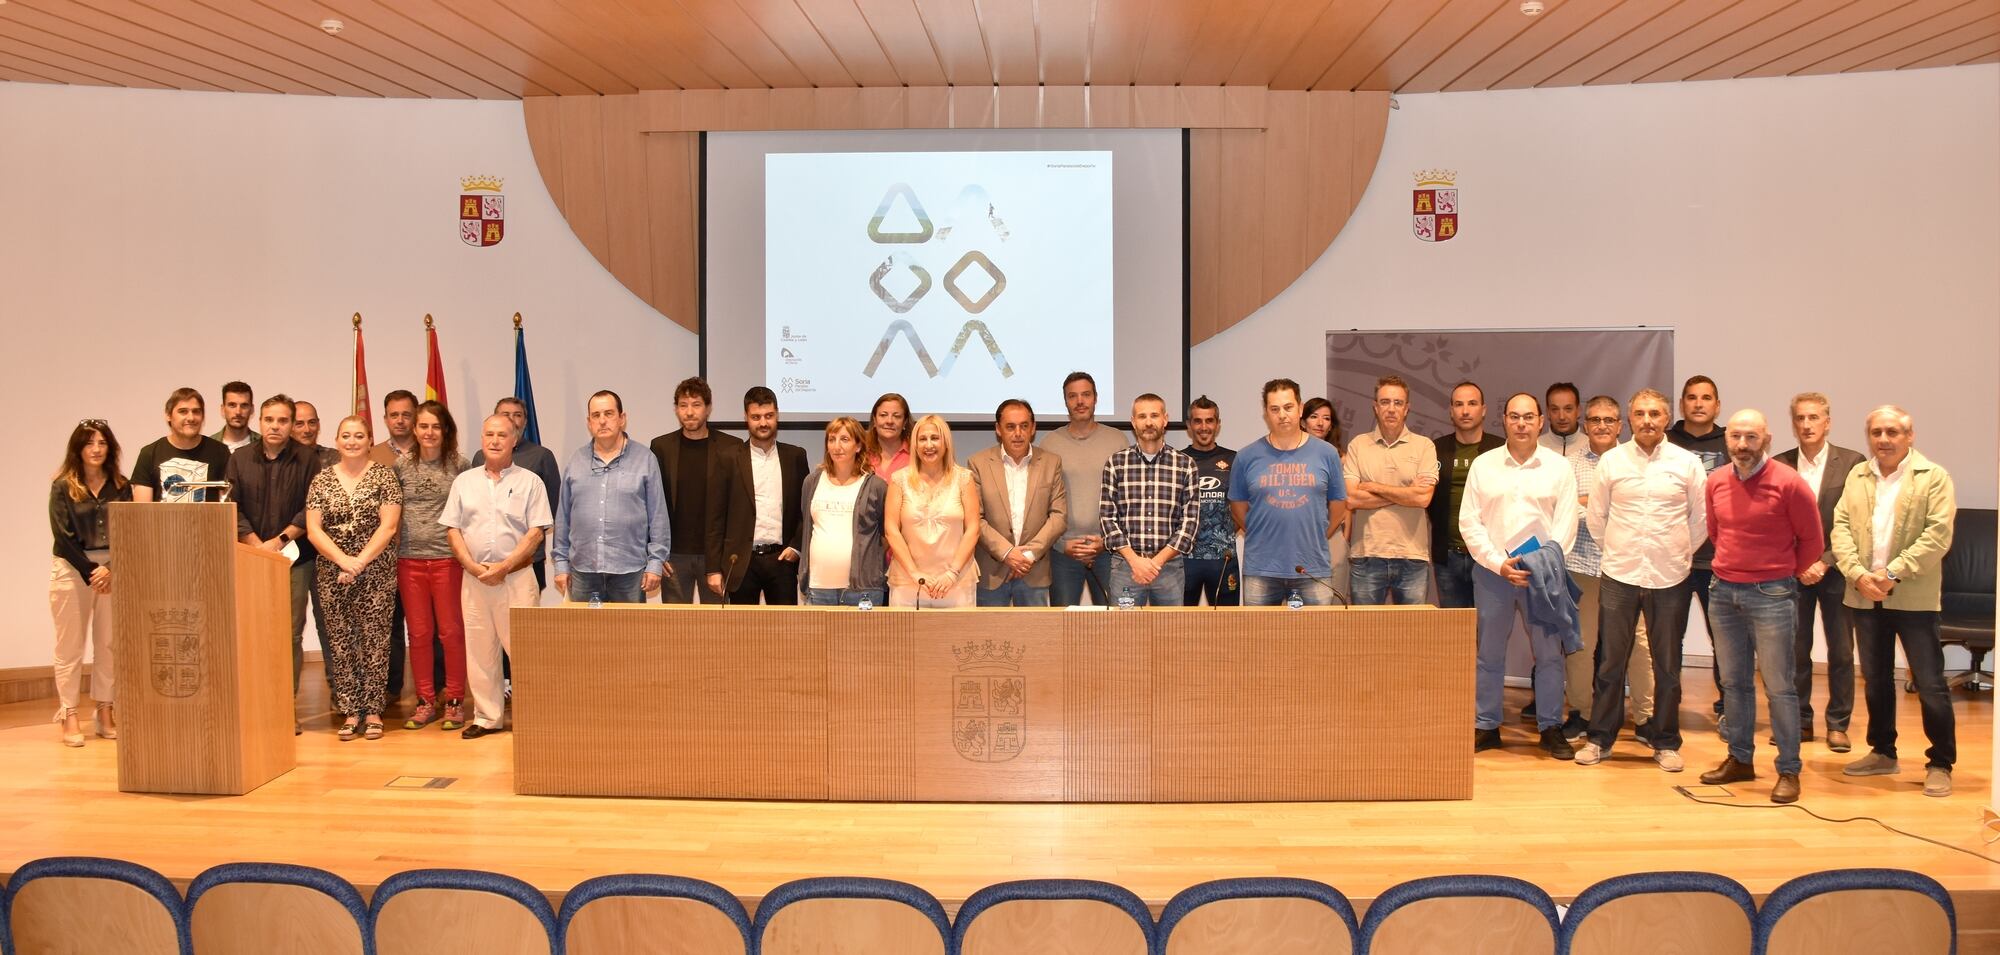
[1669,760]
[1589,755]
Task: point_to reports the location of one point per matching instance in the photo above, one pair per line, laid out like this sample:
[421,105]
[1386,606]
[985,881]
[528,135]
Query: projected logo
[1434,205]
[971,201]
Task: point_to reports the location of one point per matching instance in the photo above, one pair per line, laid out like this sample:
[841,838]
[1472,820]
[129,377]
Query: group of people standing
[1600,546]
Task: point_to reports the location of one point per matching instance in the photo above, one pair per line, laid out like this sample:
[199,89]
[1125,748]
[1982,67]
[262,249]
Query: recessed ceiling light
[332,27]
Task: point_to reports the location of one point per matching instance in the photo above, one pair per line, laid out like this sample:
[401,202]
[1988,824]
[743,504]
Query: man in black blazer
[1825,467]
[753,511]
[690,466]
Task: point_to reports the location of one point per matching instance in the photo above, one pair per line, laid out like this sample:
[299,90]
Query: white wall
[1834,233]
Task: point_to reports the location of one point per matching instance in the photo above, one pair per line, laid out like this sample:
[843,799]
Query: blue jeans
[1619,608]
[1754,624]
[1167,590]
[610,588]
[842,597]
[1497,602]
[1014,593]
[1216,579]
[1375,579]
[1454,573]
[1068,578]
[1272,591]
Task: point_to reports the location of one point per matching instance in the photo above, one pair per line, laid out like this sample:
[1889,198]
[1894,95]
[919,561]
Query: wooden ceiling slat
[1900,13]
[666,31]
[107,37]
[13,73]
[1781,22]
[1956,55]
[1171,36]
[1117,34]
[1225,35]
[276,65]
[780,25]
[1947,41]
[1595,46]
[1336,29]
[536,42]
[259,27]
[1659,52]
[1451,27]
[1858,16]
[1388,33]
[35,38]
[611,46]
[1284,26]
[961,47]
[1011,40]
[373,45]
[904,38]
[1506,36]
[1988,58]
[1062,33]
[446,35]
[846,32]
[68,69]
[1899,40]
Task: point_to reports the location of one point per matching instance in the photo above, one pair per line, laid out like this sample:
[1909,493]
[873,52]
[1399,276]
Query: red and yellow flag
[433,366]
[361,379]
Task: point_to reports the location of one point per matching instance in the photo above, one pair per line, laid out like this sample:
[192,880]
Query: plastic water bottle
[1126,601]
[596,600]
[865,603]
[1293,601]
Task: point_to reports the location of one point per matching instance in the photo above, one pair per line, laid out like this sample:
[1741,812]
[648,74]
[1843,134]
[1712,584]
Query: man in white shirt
[495,517]
[1824,466]
[1023,508]
[1518,498]
[1648,516]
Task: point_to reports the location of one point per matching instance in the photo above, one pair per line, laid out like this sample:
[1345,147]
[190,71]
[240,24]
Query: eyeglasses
[1514,416]
[1600,421]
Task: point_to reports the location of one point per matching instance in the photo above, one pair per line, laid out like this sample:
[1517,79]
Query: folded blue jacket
[1552,595]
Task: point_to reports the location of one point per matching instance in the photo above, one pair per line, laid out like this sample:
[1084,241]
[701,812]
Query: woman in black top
[80,582]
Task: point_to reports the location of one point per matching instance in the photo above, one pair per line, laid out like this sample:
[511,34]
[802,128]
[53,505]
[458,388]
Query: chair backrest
[1489,914]
[253,908]
[1657,913]
[1968,565]
[1863,911]
[84,904]
[482,912]
[1265,915]
[851,916]
[1053,917]
[652,915]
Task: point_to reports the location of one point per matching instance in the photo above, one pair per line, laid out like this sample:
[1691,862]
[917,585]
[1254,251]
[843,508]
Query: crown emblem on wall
[480,183]
[981,654]
[1436,177]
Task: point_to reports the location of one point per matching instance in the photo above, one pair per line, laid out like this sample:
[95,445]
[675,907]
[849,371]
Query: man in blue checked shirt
[611,533]
[1149,511]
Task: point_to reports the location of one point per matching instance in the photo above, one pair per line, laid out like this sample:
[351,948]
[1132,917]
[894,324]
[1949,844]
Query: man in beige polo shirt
[1391,473]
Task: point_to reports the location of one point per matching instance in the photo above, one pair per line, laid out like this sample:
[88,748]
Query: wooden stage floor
[1558,825]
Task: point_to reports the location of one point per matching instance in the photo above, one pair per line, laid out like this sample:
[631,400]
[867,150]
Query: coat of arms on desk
[482,219]
[989,701]
[1434,205]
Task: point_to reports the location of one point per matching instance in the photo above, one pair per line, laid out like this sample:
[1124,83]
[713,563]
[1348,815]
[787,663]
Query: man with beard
[753,513]
[1148,509]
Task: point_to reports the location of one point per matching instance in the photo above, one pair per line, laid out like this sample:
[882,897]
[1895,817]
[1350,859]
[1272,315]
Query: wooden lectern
[202,636]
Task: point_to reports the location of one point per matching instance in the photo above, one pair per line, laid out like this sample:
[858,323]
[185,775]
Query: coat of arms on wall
[482,219]
[1434,205]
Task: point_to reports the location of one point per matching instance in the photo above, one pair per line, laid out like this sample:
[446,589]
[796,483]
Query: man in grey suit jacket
[1023,507]
[1825,467]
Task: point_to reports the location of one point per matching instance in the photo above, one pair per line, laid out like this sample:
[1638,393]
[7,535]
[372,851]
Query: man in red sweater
[1765,525]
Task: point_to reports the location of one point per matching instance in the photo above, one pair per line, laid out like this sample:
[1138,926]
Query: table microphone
[725,579]
[920,593]
[1300,570]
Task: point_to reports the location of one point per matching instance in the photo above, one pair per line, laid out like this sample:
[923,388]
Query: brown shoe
[1837,741]
[1787,789]
[1730,771]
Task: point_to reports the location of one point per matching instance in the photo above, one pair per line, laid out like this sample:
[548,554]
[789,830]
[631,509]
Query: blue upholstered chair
[258,907]
[79,903]
[1659,912]
[631,913]
[482,912]
[1272,916]
[1868,911]
[1053,917]
[1460,913]
[843,913]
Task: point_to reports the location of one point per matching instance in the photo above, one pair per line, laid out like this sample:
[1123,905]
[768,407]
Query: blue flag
[523,388]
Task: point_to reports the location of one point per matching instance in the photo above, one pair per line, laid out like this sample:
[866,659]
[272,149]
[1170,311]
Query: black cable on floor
[1751,805]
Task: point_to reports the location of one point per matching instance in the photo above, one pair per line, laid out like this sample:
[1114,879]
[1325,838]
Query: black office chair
[1967,604]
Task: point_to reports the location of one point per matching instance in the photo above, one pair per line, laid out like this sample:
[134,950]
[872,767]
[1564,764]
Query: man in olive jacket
[1890,534]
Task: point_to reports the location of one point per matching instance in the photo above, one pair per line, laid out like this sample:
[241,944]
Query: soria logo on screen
[972,201]
[1434,205]
[482,220]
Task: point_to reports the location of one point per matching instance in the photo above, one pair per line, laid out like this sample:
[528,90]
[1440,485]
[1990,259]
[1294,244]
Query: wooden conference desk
[992,705]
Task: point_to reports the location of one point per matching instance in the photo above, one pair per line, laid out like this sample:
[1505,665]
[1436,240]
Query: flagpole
[354,368]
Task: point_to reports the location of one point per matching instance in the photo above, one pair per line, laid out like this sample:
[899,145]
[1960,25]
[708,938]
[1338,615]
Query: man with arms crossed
[1287,494]
[1082,446]
[690,463]
[1391,476]
[1824,466]
[1148,508]
[1765,526]
[1210,568]
[1469,439]
[611,525]
[494,518]
[1023,508]
[1648,514]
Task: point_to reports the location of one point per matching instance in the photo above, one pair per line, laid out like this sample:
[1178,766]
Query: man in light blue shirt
[611,534]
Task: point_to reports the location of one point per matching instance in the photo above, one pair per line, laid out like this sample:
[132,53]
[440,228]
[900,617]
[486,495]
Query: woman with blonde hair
[931,520]
[353,508]
[80,583]
[840,537]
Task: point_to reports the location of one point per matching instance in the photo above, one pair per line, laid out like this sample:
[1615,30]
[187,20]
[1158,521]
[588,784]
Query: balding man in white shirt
[495,517]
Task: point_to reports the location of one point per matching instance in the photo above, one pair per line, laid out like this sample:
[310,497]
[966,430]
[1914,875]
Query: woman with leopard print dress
[352,512]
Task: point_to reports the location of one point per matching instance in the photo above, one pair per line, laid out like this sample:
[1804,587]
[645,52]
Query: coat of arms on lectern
[174,655]
[482,220]
[989,701]
[1434,205]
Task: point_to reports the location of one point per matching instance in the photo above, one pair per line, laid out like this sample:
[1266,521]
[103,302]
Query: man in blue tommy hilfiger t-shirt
[1287,492]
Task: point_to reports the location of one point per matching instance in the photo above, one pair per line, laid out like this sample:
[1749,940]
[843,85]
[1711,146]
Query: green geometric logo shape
[916,208]
[992,271]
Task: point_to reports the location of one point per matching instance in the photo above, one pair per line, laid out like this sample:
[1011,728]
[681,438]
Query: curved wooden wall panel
[1273,175]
